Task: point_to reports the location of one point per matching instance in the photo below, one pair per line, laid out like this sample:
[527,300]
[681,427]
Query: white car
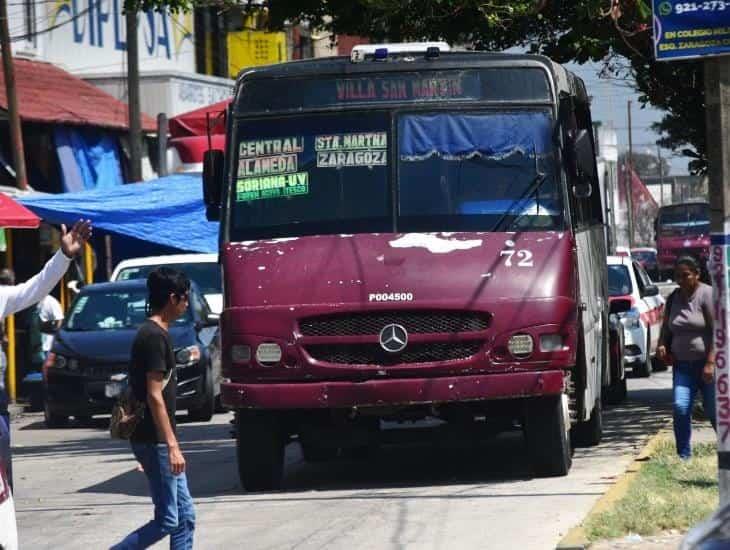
[204,269]
[640,306]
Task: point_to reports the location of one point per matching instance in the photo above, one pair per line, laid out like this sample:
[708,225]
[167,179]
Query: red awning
[50,95]
[16,216]
[195,123]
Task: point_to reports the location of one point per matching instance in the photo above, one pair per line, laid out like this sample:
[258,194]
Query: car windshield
[619,281]
[331,173]
[111,310]
[643,255]
[684,219]
[207,275]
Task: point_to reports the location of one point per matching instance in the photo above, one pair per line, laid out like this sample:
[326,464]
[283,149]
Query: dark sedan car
[89,360]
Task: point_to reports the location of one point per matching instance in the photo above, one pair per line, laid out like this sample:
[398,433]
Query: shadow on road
[438,459]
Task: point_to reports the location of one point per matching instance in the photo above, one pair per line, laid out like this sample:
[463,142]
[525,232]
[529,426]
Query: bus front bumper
[404,391]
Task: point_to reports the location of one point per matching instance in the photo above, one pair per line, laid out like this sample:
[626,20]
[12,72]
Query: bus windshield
[684,219]
[454,171]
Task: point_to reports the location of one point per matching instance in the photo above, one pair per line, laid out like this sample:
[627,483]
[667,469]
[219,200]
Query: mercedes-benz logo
[393,338]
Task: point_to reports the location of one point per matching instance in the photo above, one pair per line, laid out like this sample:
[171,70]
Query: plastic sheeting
[455,136]
[168,211]
[89,158]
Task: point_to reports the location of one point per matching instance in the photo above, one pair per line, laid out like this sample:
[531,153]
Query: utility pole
[629,181]
[16,130]
[135,116]
[661,175]
[717,118]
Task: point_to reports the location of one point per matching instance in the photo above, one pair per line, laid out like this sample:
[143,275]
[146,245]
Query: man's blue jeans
[687,376]
[174,511]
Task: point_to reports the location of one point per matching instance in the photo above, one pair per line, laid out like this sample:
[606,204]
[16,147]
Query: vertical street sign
[720,271]
[685,30]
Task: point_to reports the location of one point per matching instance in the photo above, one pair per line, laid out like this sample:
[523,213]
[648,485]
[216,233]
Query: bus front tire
[546,435]
[589,433]
[260,446]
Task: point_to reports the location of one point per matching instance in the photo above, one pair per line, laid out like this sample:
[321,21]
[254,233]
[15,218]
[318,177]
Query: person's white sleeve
[56,310]
[18,297]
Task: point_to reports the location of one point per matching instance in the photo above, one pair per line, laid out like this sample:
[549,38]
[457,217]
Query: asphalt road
[76,488]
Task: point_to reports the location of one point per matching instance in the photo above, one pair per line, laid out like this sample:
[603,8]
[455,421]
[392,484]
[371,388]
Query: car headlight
[268,354]
[631,318]
[187,357]
[61,362]
[520,345]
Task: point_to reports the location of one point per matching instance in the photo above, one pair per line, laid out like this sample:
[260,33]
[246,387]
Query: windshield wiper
[532,190]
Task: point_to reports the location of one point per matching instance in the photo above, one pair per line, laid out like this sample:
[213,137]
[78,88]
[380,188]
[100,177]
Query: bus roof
[565,82]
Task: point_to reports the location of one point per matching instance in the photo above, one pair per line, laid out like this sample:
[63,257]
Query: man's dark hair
[689,261]
[164,281]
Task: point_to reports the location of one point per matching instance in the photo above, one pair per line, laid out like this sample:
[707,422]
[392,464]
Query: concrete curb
[576,538]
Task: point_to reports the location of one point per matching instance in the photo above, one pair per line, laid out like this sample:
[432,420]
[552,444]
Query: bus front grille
[373,354]
[415,322]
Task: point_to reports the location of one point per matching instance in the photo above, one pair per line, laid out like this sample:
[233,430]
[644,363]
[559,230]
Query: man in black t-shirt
[154,441]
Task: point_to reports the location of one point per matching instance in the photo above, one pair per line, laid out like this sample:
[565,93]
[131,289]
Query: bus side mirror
[584,165]
[213,183]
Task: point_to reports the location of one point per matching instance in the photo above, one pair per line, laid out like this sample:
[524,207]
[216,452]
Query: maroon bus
[682,229]
[409,233]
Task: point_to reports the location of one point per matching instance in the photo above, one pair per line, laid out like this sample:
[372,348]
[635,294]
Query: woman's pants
[687,378]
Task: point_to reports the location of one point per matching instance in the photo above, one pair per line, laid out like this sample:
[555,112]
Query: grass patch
[667,493]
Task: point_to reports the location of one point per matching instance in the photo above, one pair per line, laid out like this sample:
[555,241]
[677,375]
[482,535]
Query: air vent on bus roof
[383,50]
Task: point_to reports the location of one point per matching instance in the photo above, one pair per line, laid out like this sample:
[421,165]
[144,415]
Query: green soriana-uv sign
[269,168]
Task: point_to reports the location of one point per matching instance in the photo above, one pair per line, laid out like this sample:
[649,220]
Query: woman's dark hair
[689,261]
[164,281]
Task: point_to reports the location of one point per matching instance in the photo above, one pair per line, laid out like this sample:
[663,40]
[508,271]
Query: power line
[28,36]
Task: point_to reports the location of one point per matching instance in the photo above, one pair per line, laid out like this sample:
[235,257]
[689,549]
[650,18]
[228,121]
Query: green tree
[617,33]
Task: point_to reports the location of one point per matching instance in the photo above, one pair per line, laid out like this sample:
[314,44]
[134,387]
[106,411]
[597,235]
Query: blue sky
[610,107]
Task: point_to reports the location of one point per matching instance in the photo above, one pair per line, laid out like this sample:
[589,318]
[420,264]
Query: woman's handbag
[128,412]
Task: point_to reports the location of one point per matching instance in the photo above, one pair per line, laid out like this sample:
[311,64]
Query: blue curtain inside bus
[454,137]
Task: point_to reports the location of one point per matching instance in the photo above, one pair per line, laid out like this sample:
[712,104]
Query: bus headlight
[520,345]
[268,354]
[241,353]
[551,342]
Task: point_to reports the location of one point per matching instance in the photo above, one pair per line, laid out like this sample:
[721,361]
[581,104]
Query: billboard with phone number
[685,30]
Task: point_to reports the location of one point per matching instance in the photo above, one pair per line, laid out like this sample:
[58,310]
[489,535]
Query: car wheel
[204,412]
[260,445]
[546,435]
[589,434]
[53,420]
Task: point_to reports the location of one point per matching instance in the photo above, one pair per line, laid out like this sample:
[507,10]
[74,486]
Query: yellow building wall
[252,48]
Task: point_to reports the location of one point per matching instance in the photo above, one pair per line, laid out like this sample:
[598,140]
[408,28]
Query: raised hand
[72,242]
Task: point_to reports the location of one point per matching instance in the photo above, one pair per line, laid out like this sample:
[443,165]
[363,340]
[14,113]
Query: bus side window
[593,207]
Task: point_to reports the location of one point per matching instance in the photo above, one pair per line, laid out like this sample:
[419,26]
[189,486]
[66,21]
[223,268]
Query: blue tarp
[89,158]
[452,136]
[168,211]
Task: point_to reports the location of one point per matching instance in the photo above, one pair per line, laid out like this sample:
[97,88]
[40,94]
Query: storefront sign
[691,29]
[90,36]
